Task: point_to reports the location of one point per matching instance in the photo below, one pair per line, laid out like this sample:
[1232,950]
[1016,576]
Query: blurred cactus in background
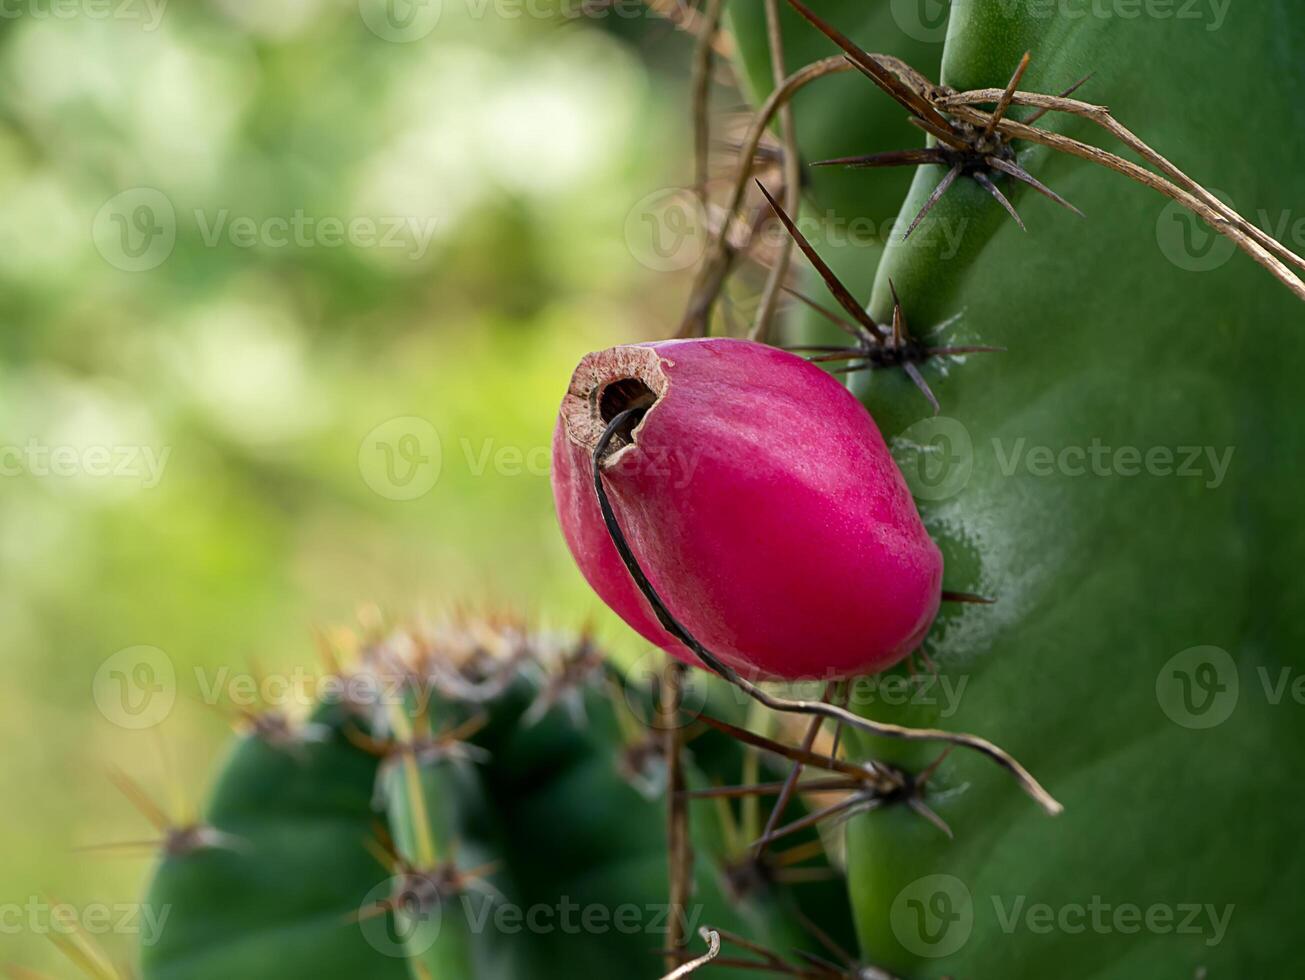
[481,801]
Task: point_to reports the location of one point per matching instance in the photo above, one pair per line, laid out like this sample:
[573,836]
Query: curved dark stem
[810,708]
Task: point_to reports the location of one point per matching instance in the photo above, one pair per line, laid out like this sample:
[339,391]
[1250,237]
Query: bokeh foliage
[526,140]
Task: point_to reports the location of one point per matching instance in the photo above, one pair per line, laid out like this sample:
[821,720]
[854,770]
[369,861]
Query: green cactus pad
[280,895]
[1145,613]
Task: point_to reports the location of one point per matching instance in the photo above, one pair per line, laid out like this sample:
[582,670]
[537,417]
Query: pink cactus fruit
[760,500]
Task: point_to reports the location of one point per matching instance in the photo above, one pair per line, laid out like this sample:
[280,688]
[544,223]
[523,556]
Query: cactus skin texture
[531,805]
[1101,580]
[275,898]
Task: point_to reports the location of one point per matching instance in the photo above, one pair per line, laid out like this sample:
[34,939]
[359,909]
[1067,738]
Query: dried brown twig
[976,143]
[792,179]
[712,939]
[688,19]
[701,89]
[679,847]
[978,152]
[720,254]
[969,142]
[1258,244]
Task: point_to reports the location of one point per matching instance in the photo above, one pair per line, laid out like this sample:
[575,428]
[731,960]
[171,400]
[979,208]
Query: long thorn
[1019,173]
[941,134]
[969,598]
[928,814]
[934,198]
[922,778]
[972,349]
[986,183]
[824,938]
[141,800]
[848,354]
[832,282]
[808,758]
[812,819]
[768,789]
[917,378]
[828,314]
[900,333]
[895,158]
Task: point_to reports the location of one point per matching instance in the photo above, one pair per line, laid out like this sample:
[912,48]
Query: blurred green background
[253,253]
